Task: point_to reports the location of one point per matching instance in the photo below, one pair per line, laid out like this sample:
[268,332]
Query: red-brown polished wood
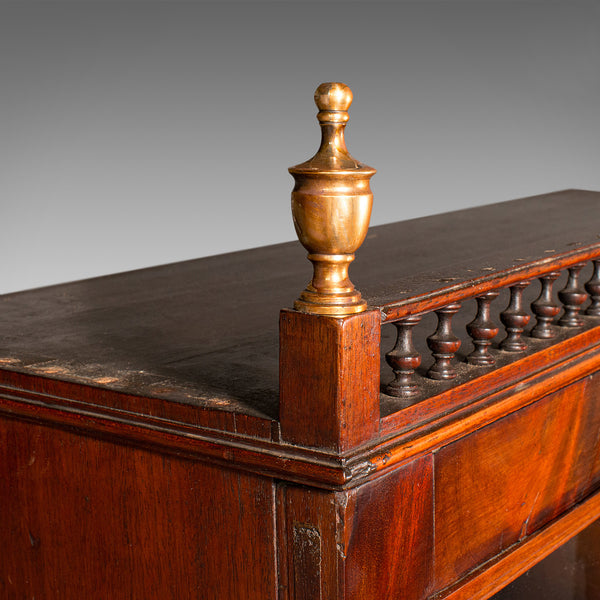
[85,518]
[388,535]
[155,395]
[329,379]
[507,480]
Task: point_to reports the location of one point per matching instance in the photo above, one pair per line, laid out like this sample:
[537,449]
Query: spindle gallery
[422,422]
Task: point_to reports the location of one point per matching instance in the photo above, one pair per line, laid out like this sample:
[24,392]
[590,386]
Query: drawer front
[505,481]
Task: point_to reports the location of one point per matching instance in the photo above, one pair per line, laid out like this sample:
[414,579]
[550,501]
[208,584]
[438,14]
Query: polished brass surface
[331,207]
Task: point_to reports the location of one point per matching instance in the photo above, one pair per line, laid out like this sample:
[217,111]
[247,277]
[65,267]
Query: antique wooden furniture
[159,438]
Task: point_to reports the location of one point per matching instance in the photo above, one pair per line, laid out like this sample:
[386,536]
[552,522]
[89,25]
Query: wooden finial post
[331,206]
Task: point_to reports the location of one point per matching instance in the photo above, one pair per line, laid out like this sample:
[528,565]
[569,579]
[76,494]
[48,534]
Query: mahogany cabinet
[174,433]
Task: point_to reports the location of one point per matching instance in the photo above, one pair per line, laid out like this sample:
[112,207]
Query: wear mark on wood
[526,523]
[34,541]
[9,361]
[307,562]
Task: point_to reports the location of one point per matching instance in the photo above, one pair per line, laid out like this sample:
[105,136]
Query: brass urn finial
[331,206]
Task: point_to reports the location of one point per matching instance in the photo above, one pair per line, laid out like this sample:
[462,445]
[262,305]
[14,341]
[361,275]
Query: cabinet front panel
[389,535]
[85,518]
[505,481]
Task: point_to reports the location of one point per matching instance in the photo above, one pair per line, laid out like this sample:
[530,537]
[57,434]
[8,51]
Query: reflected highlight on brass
[331,206]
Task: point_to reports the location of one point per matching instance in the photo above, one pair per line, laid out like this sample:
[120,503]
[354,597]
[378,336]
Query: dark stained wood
[592,287]
[515,319]
[341,356]
[310,563]
[572,297]
[171,438]
[569,358]
[308,556]
[570,571]
[433,265]
[545,308]
[482,330]
[483,582]
[404,359]
[443,344]
[150,431]
[371,542]
[83,518]
[204,332]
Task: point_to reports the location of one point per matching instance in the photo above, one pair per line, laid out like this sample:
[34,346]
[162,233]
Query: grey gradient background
[140,133]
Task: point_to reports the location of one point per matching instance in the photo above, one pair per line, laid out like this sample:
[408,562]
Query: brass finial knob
[332,98]
[331,206]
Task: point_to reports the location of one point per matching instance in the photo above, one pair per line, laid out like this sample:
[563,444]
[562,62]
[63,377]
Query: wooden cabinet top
[203,332]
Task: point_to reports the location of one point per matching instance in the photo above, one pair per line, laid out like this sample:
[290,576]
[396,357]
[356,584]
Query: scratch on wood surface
[35,542]
[526,523]
[307,562]
[341,503]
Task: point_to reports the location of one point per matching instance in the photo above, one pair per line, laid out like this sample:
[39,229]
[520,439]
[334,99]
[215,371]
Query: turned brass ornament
[331,207]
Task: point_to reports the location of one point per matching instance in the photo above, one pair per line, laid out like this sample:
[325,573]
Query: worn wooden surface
[141,423]
[85,518]
[310,565]
[204,332]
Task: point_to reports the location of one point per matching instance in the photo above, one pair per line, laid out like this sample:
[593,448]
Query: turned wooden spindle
[593,289]
[482,331]
[515,319]
[545,309]
[443,344]
[404,359]
[331,206]
[572,297]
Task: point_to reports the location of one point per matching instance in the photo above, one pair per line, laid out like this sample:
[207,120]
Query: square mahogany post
[329,379]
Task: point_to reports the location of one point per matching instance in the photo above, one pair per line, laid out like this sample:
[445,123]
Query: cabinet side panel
[389,535]
[507,480]
[85,518]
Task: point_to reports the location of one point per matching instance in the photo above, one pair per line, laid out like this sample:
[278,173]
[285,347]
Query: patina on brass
[331,206]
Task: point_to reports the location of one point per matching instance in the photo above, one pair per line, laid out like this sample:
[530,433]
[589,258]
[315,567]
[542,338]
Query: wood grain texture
[415,430]
[495,574]
[204,333]
[389,535]
[510,478]
[309,550]
[171,438]
[83,518]
[329,379]
[142,428]
[368,543]
[510,383]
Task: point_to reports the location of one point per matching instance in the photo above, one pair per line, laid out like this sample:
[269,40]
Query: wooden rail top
[451,256]
[204,332]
